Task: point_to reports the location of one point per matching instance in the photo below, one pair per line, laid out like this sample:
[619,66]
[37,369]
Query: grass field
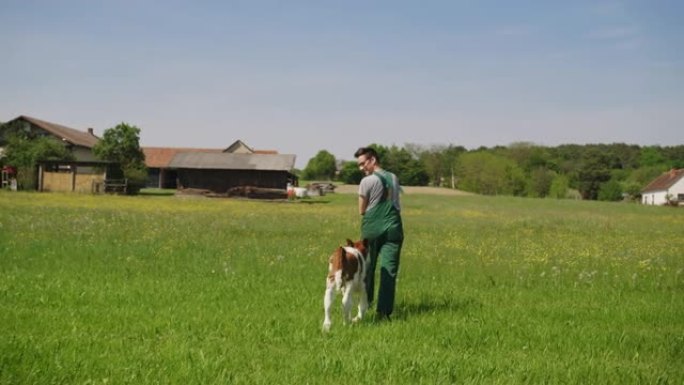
[164,290]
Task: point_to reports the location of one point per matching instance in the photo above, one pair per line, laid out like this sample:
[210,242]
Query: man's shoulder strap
[386,182]
[384,178]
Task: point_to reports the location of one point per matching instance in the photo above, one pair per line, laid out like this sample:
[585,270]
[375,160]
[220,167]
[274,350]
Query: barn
[158,161]
[219,172]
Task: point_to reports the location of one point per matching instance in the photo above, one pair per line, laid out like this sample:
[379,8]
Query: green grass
[159,290]
[150,191]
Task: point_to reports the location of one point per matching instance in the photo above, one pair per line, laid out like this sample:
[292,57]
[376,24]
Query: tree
[675,156]
[559,187]
[566,157]
[409,170]
[610,191]
[24,149]
[594,170]
[528,155]
[651,156]
[121,144]
[321,166]
[431,160]
[450,161]
[626,155]
[539,182]
[486,173]
[439,163]
[350,173]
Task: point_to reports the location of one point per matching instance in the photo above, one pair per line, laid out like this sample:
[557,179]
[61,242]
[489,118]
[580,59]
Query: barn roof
[239,147]
[160,157]
[665,181]
[73,136]
[228,161]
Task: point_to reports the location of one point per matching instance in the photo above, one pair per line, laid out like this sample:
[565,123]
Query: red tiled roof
[73,136]
[160,157]
[665,181]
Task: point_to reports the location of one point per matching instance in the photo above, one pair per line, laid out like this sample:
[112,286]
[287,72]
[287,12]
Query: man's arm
[363,204]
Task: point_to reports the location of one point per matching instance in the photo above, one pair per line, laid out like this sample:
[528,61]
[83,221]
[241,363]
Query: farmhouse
[80,143]
[84,174]
[667,188]
[219,172]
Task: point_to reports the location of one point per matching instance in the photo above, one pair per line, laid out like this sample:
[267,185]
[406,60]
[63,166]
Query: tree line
[607,172]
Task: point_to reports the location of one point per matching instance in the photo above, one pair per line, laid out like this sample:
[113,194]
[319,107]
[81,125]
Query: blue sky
[302,76]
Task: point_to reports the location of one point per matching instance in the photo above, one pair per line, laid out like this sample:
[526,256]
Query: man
[381,226]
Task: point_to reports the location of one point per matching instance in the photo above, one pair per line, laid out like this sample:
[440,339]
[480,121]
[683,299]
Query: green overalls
[382,227]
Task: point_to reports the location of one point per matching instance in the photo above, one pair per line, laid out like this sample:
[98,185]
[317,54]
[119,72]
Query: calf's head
[348,262]
[361,246]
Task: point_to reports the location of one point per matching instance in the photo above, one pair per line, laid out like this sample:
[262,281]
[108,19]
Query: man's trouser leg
[373,250]
[389,267]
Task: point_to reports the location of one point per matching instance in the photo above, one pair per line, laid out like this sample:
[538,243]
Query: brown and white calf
[347,274]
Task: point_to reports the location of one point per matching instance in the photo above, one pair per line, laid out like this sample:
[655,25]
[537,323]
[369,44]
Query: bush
[610,191]
[136,178]
[559,187]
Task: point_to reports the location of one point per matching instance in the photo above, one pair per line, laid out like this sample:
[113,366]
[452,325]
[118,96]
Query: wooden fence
[71,182]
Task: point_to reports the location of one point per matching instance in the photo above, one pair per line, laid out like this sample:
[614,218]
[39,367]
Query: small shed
[75,176]
[668,188]
[219,172]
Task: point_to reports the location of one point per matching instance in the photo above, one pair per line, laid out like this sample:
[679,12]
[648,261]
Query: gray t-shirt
[371,188]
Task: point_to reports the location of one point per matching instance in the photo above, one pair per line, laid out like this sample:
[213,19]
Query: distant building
[239,147]
[219,172]
[215,169]
[80,143]
[84,174]
[157,160]
[170,167]
[667,188]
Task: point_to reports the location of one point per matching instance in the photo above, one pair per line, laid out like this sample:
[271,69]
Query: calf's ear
[349,242]
[342,254]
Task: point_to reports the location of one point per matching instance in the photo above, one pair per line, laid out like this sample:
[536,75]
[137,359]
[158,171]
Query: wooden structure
[76,176]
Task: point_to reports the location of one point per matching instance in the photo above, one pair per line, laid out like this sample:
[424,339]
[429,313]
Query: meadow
[492,290]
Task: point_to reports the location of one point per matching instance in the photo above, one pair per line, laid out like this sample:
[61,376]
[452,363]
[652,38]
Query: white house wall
[654,198]
[677,190]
